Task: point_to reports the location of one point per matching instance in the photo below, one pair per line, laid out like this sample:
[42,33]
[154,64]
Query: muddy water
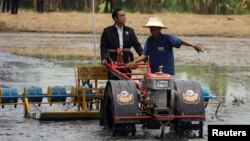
[224,68]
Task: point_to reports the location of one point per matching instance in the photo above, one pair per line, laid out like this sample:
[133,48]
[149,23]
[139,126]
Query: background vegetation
[146,6]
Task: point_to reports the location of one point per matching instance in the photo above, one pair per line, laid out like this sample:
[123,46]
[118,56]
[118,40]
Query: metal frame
[83,73]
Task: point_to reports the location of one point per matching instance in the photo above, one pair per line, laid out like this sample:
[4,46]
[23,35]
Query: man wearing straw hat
[159,47]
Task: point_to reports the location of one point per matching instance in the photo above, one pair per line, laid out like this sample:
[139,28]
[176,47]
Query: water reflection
[222,81]
[73,62]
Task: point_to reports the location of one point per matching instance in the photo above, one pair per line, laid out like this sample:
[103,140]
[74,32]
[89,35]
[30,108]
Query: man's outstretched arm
[197,47]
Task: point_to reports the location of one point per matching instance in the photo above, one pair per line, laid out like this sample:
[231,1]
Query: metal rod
[35,96]
[217,108]
[21,103]
[94,35]
[39,96]
[159,117]
[212,102]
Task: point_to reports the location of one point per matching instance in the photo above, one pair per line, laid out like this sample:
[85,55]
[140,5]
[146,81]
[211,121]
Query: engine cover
[158,81]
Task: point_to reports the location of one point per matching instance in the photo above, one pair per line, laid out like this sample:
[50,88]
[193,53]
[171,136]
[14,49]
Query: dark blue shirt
[160,52]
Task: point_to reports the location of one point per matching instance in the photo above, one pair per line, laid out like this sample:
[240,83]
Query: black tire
[184,127]
[108,110]
[101,119]
[201,129]
[178,125]
[133,131]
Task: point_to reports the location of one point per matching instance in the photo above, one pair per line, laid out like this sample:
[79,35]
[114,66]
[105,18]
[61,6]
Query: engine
[159,87]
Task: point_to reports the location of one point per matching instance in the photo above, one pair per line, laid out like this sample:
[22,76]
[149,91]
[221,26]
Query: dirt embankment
[179,24]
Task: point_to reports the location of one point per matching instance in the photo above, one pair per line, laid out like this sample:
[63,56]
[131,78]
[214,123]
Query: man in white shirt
[118,36]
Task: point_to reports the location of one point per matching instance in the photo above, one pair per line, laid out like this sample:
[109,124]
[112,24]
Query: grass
[179,24]
[74,22]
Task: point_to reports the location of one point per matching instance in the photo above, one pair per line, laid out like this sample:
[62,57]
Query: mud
[224,68]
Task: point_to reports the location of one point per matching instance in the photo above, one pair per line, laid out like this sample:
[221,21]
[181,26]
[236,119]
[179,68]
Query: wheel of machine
[123,130]
[133,130]
[177,124]
[109,125]
[108,113]
[201,129]
[108,110]
[183,127]
[101,119]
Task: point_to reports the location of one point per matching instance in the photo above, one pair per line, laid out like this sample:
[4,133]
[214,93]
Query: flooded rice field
[224,68]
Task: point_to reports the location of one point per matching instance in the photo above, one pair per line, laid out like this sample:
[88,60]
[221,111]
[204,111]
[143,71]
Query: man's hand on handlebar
[104,62]
[132,65]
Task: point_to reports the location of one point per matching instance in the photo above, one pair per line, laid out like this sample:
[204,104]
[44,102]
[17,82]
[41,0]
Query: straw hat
[156,22]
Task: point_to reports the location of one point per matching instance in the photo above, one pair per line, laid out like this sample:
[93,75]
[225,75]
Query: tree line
[144,6]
